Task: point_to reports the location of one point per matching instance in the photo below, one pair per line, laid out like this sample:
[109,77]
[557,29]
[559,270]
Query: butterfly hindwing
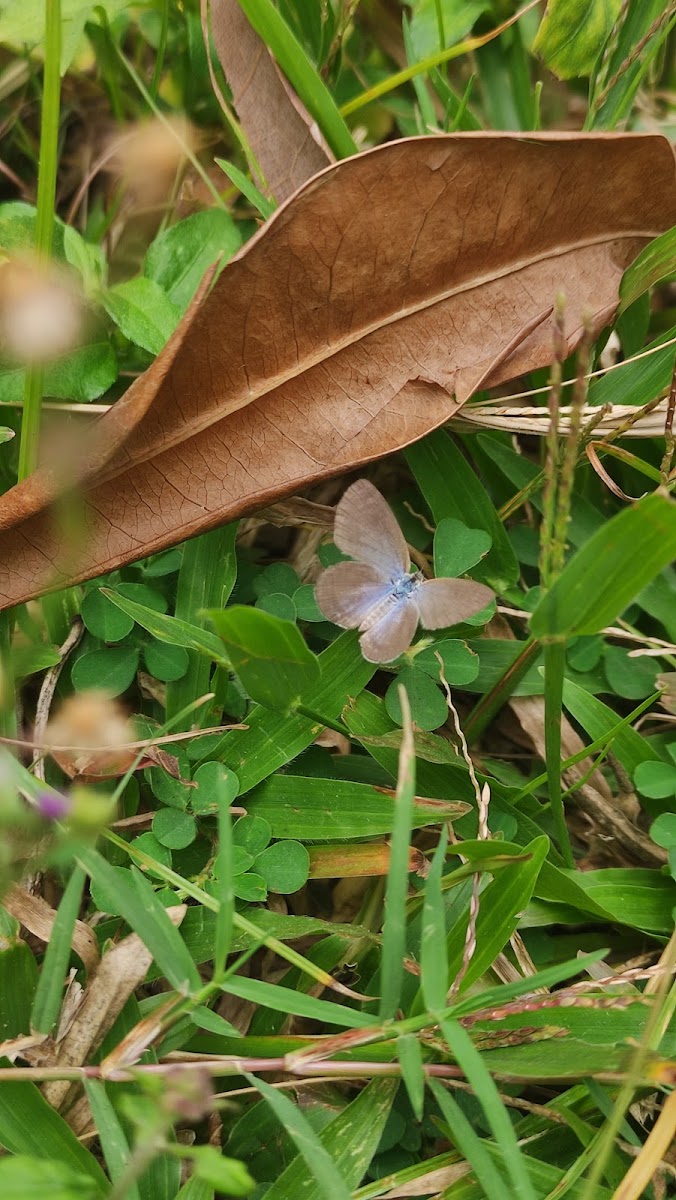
[392,633]
[366,529]
[443,602]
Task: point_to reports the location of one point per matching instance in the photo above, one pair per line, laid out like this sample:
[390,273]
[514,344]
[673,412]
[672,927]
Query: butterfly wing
[366,529]
[349,591]
[392,633]
[444,602]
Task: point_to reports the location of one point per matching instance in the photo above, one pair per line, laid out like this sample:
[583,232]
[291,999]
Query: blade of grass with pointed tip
[410,1058]
[351,1139]
[269,655]
[223,892]
[205,580]
[468,1057]
[49,992]
[271,995]
[394,925]
[170,629]
[470,1145]
[306,82]
[111,1134]
[607,573]
[328,1179]
[433,945]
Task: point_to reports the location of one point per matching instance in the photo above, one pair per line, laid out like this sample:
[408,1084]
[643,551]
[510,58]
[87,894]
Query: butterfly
[378,594]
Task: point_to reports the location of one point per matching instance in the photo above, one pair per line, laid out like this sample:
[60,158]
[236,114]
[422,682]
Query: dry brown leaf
[362,316]
[38,917]
[122,970]
[277,126]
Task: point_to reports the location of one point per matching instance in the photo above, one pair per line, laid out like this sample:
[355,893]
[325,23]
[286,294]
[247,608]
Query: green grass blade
[49,992]
[327,1177]
[433,947]
[469,1059]
[605,575]
[206,579]
[272,28]
[223,876]
[555,665]
[394,925]
[111,1134]
[469,1144]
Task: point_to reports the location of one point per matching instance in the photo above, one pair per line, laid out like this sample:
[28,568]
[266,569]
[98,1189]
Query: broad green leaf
[23,24]
[26,660]
[269,655]
[143,312]
[457,19]
[663,830]
[172,630]
[179,256]
[216,785]
[226,1175]
[351,1139]
[602,578]
[305,808]
[434,461]
[656,260]
[319,1162]
[30,1126]
[572,34]
[23,1178]
[112,669]
[84,374]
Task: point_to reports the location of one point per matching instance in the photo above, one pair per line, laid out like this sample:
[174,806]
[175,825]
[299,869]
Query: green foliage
[572,35]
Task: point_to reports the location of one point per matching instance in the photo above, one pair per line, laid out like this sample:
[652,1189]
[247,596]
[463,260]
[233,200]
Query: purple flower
[52,806]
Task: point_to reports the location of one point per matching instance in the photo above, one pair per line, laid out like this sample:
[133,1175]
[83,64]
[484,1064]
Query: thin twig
[46,696]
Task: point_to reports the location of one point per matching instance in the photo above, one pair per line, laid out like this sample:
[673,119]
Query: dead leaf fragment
[362,316]
[38,917]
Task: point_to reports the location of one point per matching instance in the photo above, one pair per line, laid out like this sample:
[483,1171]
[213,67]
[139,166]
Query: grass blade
[394,926]
[49,992]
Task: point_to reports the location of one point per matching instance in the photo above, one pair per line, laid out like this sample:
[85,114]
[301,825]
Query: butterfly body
[378,594]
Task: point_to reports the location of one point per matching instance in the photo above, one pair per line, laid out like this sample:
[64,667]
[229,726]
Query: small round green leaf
[250,887]
[279,577]
[106,901]
[112,669]
[428,706]
[174,828]
[278,604]
[166,788]
[458,548]
[223,1174]
[306,605]
[148,843]
[252,833]
[284,866]
[213,780]
[103,619]
[461,665]
[663,831]
[632,678]
[656,780]
[241,860]
[140,593]
[165,662]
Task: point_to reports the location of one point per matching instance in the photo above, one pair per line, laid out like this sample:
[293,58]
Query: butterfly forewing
[366,529]
[444,602]
[392,634]
[349,591]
